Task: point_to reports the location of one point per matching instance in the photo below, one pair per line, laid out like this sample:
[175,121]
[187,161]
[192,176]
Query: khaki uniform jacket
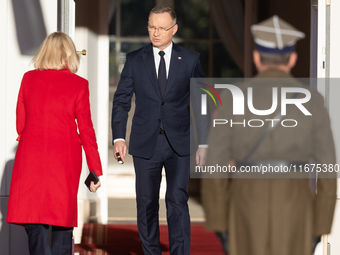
[271,215]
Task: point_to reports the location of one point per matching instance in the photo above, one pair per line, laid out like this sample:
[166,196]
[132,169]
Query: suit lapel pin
[179,57]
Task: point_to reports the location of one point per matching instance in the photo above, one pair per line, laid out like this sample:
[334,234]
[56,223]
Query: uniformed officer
[279,215]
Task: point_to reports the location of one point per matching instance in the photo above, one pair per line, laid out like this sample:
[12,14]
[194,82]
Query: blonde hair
[57,52]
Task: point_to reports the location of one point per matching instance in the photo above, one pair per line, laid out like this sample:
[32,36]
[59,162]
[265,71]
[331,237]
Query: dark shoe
[223,236]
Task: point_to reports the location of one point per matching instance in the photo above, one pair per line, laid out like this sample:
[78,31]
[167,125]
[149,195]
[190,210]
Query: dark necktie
[162,73]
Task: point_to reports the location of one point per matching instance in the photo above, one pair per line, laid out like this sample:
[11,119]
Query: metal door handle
[83,52]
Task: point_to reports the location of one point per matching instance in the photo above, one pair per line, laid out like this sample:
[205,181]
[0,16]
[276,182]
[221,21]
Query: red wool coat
[51,106]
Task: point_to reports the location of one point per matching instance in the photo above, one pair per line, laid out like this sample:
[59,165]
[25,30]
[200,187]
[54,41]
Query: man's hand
[201,155]
[94,187]
[120,146]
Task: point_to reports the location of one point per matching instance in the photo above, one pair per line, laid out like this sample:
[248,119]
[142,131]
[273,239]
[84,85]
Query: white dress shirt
[167,57]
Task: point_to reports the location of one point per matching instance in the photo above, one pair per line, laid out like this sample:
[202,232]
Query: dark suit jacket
[139,77]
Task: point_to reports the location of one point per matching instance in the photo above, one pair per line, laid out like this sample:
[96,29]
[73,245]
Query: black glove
[316,240]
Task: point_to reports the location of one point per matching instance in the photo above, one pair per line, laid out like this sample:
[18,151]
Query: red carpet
[124,240]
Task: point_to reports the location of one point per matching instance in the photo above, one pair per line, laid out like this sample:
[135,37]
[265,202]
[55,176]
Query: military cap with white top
[276,36]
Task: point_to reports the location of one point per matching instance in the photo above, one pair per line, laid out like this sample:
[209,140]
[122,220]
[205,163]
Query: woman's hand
[94,187]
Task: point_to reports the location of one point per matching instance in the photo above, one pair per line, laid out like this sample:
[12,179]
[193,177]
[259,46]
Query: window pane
[134,17]
[112,64]
[192,18]
[112,24]
[224,66]
[128,47]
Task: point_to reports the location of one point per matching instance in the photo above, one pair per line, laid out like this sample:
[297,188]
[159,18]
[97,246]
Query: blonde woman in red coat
[53,103]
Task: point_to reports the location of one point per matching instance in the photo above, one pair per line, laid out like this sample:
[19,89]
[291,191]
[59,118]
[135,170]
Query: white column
[102,120]
[334,105]
[67,17]
[321,56]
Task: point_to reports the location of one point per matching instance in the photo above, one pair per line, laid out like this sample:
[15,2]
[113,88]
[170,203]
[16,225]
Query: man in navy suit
[159,76]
